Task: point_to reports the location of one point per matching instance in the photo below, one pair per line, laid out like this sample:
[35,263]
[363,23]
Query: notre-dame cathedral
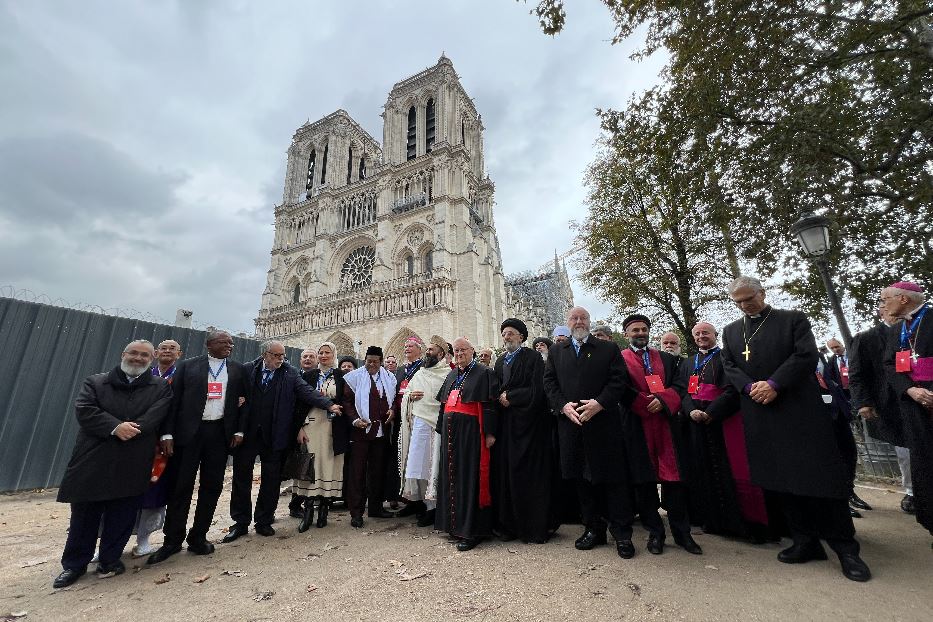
[375,243]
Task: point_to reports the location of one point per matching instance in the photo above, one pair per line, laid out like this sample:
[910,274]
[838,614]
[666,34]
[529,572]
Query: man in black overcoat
[909,363]
[873,396]
[585,381]
[276,394]
[522,456]
[119,414]
[769,356]
[206,422]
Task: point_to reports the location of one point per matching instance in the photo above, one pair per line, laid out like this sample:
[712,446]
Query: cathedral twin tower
[375,244]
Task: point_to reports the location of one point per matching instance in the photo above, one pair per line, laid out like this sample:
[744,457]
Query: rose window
[357,270]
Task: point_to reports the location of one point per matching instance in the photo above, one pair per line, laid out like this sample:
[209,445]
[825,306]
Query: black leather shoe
[201,548]
[688,544]
[235,532]
[381,514]
[589,539]
[907,504]
[412,509]
[164,552]
[105,571]
[294,506]
[67,577]
[655,545]
[307,516]
[802,553]
[265,530]
[625,549]
[323,508]
[356,522]
[857,502]
[854,513]
[427,520]
[854,568]
[467,544]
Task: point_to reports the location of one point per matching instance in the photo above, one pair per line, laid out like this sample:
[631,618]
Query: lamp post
[812,232]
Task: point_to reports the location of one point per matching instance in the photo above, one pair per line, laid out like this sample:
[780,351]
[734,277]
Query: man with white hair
[769,356]
[119,414]
[909,361]
[585,380]
[468,425]
[670,343]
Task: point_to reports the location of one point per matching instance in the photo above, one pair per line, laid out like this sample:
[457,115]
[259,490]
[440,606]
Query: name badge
[215,390]
[655,384]
[402,388]
[694,385]
[453,399]
[902,361]
[844,371]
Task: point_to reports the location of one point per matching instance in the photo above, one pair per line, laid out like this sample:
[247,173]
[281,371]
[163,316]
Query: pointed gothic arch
[396,345]
[344,344]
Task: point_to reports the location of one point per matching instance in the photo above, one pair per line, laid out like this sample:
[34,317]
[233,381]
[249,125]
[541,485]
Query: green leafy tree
[804,105]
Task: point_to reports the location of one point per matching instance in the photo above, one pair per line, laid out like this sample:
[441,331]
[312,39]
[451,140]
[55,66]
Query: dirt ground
[391,569]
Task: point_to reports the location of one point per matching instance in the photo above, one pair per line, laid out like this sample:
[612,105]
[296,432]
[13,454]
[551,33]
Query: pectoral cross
[913,356]
[747,352]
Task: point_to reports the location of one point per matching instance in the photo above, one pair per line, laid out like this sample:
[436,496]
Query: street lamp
[812,231]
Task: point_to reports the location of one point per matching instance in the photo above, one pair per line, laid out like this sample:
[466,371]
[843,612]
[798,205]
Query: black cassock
[918,421]
[461,511]
[791,442]
[522,476]
[869,386]
[714,502]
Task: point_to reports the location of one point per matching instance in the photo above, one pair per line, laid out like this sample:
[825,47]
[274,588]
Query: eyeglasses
[462,350]
[276,354]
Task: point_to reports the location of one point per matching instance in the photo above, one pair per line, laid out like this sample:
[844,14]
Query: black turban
[374,351]
[635,317]
[347,359]
[517,325]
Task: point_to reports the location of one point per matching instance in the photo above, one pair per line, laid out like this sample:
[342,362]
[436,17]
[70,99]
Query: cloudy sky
[142,144]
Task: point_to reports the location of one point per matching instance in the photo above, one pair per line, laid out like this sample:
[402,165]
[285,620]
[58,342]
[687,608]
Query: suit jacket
[594,451]
[831,371]
[189,385]
[870,387]
[288,392]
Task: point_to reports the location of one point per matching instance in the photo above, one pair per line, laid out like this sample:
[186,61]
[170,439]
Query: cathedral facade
[375,243]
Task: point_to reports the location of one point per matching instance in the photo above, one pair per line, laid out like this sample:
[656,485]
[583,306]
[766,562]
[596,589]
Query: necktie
[266,376]
[577,344]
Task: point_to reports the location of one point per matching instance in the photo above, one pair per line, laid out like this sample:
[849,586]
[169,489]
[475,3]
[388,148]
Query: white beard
[580,334]
[132,371]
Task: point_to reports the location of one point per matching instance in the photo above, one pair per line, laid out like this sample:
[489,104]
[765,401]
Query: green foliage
[804,105]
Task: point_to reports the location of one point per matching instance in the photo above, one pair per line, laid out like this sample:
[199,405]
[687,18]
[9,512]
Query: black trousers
[814,518]
[367,475]
[113,520]
[270,474]
[673,499]
[207,453]
[606,503]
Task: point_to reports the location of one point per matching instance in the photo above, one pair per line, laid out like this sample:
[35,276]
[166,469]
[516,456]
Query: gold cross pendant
[747,352]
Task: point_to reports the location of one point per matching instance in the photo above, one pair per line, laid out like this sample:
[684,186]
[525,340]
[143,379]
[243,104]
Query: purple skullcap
[907,286]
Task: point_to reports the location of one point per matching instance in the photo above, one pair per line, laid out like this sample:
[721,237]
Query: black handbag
[299,464]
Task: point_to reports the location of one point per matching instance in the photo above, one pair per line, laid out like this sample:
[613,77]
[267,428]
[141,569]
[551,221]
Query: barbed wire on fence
[27,295]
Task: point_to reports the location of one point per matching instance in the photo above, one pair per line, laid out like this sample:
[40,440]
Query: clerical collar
[764,313]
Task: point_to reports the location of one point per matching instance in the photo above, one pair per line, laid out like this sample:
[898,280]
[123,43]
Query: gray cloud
[142,145]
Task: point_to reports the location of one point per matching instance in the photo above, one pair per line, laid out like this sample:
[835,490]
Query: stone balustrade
[401,296]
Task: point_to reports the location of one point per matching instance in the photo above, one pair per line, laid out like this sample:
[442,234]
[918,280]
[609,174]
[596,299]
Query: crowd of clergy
[750,436]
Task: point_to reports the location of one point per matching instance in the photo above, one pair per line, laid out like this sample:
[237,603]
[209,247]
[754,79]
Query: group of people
[747,438]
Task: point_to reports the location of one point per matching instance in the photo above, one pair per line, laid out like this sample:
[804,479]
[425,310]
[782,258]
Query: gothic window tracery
[410,265]
[357,270]
[362,168]
[350,166]
[310,181]
[324,162]
[429,125]
[357,210]
[296,293]
[412,134]
[428,260]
